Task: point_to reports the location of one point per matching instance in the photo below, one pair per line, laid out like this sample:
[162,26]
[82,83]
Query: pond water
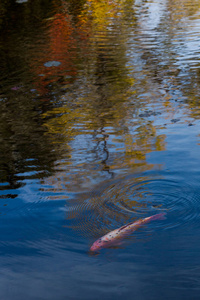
[100,126]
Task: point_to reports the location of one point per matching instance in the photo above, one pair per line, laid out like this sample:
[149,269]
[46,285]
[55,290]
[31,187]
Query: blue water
[100,126]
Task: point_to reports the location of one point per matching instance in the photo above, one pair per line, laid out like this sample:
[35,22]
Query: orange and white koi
[114,237]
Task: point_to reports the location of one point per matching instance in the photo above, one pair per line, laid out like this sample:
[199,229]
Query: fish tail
[160,216]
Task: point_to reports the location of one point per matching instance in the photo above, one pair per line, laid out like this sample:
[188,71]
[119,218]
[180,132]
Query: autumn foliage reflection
[99,101]
[64,39]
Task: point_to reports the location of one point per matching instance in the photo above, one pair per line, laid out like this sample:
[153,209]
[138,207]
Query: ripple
[130,198]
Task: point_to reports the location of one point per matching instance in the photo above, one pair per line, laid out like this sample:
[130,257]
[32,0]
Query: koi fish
[114,237]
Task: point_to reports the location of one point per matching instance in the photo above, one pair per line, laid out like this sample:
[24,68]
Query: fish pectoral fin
[115,247]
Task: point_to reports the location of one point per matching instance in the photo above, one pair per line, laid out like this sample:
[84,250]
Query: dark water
[100,126]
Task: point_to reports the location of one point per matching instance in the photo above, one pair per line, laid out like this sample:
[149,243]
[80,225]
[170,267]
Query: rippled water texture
[99,127]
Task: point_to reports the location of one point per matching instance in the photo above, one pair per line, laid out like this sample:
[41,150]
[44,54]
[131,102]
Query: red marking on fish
[114,237]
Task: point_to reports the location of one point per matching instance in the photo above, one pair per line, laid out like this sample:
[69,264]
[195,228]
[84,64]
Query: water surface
[100,126]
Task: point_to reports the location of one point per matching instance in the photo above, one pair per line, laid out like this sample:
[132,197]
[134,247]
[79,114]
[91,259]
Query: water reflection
[99,111]
[88,106]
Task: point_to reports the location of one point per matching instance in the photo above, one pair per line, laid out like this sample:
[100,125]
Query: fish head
[98,245]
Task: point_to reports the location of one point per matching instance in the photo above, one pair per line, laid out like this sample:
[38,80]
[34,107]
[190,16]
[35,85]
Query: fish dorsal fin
[131,223]
[123,227]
